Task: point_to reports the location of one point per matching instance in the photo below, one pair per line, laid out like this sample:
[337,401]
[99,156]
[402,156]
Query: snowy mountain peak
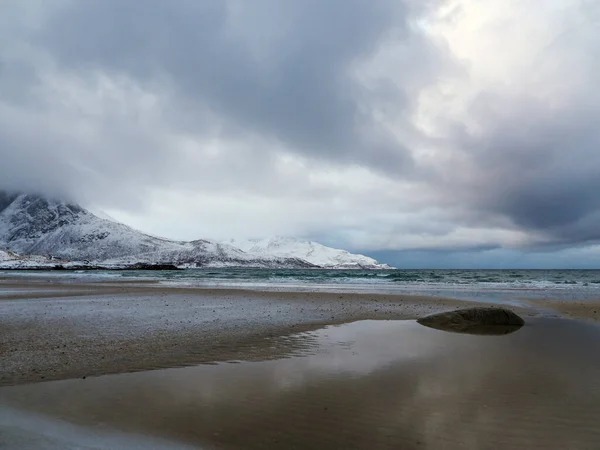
[313,252]
[36,225]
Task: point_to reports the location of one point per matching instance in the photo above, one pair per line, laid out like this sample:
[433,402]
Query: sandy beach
[314,370]
[54,330]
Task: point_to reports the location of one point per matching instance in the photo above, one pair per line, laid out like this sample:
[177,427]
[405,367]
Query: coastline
[76,330]
[56,329]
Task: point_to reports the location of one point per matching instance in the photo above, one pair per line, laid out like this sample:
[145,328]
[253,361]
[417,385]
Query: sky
[427,133]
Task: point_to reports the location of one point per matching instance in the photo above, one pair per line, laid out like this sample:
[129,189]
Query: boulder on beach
[489,320]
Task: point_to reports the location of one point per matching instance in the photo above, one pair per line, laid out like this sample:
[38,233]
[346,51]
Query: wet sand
[380,382]
[588,310]
[364,385]
[56,330]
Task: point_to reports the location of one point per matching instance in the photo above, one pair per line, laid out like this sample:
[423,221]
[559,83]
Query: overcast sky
[425,132]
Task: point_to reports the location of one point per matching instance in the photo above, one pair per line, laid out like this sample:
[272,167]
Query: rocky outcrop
[484,320]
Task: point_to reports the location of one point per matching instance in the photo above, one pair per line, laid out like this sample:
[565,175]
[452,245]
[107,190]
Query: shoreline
[59,329]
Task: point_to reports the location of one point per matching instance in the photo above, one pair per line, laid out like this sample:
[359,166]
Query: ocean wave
[395,279]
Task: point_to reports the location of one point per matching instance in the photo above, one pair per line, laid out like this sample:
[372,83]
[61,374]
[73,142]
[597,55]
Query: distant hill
[313,252]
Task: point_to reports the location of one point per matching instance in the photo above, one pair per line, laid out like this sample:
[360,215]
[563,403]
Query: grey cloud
[537,166]
[279,77]
[279,69]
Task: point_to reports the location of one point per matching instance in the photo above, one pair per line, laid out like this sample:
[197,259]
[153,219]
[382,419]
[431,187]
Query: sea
[467,284]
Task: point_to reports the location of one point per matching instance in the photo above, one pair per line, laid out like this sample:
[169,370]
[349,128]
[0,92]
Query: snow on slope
[312,252]
[35,225]
[6,256]
[10,260]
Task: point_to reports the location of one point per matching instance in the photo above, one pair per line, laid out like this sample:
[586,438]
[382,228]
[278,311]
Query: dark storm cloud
[280,69]
[536,165]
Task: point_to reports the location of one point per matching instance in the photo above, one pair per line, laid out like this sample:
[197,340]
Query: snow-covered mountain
[36,225]
[36,231]
[313,252]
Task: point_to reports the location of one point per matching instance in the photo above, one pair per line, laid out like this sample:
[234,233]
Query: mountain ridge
[45,230]
[313,252]
[36,225]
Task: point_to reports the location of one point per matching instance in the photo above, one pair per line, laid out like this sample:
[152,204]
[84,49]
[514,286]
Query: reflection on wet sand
[365,385]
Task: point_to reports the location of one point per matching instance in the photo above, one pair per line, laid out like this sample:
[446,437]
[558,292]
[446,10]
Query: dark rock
[475,321]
